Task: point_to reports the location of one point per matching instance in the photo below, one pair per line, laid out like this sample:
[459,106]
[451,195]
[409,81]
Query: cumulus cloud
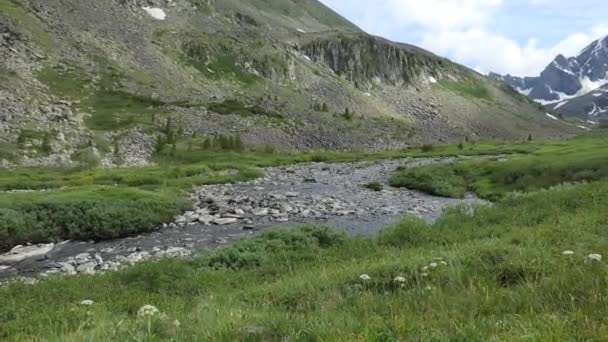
[463,30]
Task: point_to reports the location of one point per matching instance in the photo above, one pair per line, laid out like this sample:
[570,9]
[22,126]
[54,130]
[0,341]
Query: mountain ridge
[570,85]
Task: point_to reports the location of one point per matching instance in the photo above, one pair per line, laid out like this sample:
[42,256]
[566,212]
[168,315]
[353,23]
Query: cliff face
[364,60]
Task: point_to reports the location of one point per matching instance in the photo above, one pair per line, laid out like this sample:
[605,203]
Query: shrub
[287,245]
[98,213]
[427,148]
[375,186]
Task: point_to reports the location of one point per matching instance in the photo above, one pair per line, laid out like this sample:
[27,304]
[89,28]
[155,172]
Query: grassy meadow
[527,268]
[112,203]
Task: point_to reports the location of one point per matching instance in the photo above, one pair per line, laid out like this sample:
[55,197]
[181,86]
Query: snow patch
[525,92]
[560,104]
[301,31]
[155,12]
[307,58]
[552,117]
[585,128]
[432,79]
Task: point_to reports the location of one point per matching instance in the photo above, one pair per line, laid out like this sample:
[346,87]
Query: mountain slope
[118,81]
[574,85]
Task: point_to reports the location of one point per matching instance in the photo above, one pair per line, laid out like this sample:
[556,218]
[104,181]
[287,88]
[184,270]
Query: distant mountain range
[576,86]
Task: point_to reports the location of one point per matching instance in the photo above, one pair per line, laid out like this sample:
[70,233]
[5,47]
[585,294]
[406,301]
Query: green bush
[440,180]
[374,186]
[296,244]
[97,213]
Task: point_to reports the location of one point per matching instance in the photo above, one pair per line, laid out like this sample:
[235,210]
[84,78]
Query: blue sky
[508,36]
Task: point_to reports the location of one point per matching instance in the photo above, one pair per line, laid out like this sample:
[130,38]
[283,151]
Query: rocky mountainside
[114,82]
[575,85]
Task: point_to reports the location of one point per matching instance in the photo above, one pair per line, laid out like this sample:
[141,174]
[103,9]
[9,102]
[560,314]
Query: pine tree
[324,108]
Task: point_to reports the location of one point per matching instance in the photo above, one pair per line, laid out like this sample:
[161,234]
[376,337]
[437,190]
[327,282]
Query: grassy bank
[497,275]
[581,159]
[109,203]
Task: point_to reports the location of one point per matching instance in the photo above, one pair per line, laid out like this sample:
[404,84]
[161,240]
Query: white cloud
[493,52]
[462,30]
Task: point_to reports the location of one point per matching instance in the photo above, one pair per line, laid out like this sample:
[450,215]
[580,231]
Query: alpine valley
[116,82]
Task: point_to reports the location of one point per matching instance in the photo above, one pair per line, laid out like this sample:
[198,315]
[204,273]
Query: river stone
[20,253]
[87,268]
[224,221]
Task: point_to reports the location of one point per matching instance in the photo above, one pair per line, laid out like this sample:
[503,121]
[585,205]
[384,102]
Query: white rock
[20,253]
[87,268]
[224,221]
[155,12]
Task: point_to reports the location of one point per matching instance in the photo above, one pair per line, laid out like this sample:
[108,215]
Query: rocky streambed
[331,194]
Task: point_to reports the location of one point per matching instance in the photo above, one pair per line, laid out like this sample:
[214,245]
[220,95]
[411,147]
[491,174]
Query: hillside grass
[469,88]
[581,159]
[496,275]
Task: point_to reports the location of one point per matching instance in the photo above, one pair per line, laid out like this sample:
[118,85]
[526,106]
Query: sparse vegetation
[374,186]
[232,106]
[470,88]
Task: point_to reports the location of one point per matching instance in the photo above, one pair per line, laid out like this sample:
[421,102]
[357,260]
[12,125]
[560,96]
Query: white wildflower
[424,275]
[399,280]
[595,257]
[567,252]
[443,263]
[177,323]
[428,288]
[365,277]
[147,311]
[425,268]
[87,302]
[433,265]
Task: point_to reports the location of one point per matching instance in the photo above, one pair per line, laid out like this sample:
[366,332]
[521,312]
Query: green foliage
[232,106]
[470,88]
[94,213]
[296,245]
[440,180]
[374,186]
[581,159]
[427,148]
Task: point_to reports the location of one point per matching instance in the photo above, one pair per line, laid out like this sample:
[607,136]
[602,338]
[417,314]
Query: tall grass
[496,275]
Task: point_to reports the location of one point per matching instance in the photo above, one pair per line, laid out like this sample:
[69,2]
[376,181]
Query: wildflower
[147,311]
[595,257]
[399,280]
[424,275]
[176,324]
[87,302]
[425,268]
[365,277]
[428,288]
[443,263]
[433,265]
[567,252]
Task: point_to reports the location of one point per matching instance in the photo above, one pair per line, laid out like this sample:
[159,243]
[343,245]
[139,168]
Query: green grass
[470,88]
[504,278]
[109,108]
[581,159]
[232,106]
[177,172]
[96,213]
